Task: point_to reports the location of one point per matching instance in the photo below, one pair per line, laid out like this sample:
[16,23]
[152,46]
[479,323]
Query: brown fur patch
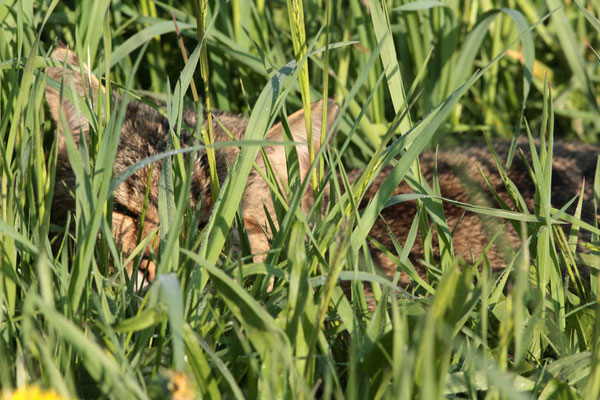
[460,180]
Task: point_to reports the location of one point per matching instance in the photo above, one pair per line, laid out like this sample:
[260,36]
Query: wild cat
[145,133]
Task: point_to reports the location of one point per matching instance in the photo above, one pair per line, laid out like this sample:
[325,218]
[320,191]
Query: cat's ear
[298,130]
[73,74]
[257,194]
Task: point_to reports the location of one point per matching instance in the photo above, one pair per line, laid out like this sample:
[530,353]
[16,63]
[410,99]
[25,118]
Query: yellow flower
[32,392]
[179,386]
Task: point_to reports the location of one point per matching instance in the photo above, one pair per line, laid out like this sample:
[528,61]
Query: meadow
[406,76]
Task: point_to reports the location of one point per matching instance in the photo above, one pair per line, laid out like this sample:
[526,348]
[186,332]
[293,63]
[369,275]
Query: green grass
[431,71]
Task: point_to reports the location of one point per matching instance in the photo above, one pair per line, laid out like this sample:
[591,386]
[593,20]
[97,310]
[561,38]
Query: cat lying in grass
[145,133]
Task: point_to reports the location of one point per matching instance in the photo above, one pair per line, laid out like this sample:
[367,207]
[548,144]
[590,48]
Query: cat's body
[459,176]
[145,133]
